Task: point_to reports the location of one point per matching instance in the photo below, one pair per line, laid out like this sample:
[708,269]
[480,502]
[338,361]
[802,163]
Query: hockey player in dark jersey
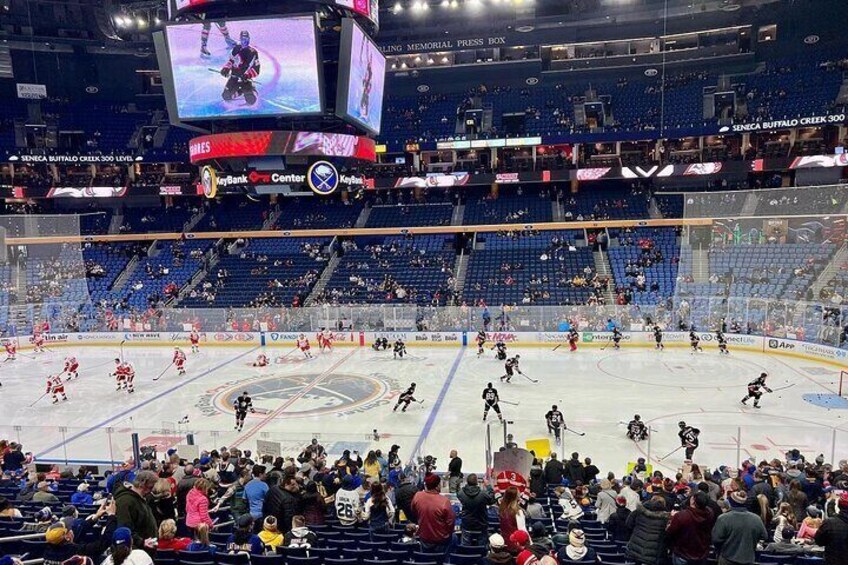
[500,350]
[573,338]
[364,100]
[755,390]
[380,344]
[511,366]
[722,342]
[694,341]
[405,398]
[241,68]
[491,400]
[242,405]
[636,429]
[688,438]
[616,338]
[658,335]
[481,341]
[399,349]
[555,421]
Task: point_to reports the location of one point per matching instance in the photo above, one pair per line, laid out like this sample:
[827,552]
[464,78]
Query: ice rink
[343,396]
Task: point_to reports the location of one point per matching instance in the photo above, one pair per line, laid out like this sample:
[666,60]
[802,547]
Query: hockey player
[481,341]
[241,405]
[179,361]
[204,37]
[555,421]
[500,350]
[38,343]
[11,351]
[491,400]
[636,429]
[240,70]
[303,345]
[380,344]
[325,340]
[405,398]
[688,438]
[399,348]
[261,361]
[694,341]
[616,338]
[658,335]
[194,338]
[124,375]
[755,390]
[511,366]
[722,342]
[573,338]
[71,367]
[56,386]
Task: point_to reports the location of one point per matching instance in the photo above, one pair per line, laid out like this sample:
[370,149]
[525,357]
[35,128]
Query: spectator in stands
[82,497]
[14,460]
[617,522]
[270,534]
[633,494]
[553,470]
[122,552]
[833,534]
[475,510]
[256,490]
[243,540]
[61,544]
[197,504]
[435,516]
[605,501]
[454,472]
[689,533]
[7,510]
[574,471]
[498,552]
[184,487]
[162,502]
[786,546]
[737,532]
[314,507]
[283,501]
[300,535]
[201,540]
[647,545]
[132,509]
[576,551]
[168,539]
[379,511]
[511,516]
[404,496]
[44,496]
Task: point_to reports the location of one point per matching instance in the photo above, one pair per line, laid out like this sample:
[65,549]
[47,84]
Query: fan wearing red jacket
[179,360]
[71,367]
[56,386]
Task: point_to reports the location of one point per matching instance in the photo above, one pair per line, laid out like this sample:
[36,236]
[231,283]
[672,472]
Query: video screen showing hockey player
[245,68]
[364,101]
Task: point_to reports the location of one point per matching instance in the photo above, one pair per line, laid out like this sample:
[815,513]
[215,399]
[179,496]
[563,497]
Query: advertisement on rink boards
[289,338]
[804,349]
[416,338]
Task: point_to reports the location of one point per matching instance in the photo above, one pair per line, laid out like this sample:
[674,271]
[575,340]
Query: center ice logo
[339,394]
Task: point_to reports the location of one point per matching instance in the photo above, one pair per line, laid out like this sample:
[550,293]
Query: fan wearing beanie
[498,553]
[576,551]
[122,552]
[737,532]
[833,535]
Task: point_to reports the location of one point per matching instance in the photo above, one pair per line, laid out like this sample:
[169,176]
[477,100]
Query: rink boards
[768,345]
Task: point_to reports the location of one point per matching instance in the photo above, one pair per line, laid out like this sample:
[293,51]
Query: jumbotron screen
[245,68]
[362,78]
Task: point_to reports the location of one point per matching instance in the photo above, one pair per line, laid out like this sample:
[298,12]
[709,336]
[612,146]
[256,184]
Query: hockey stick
[420,401]
[217,72]
[510,403]
[121,345]
[782,388]
[528,378]
[163,371]
[557,347]
[670,453]
[604,346]
[575,432]
[39,398]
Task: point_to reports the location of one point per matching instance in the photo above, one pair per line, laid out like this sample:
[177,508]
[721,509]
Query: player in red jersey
[325,339]
[179,360]
[11,351]
[261,361]
[56,386]
[573,338]
[194,338]
[124,375]
[38,343]
[303,345]
[71,367]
